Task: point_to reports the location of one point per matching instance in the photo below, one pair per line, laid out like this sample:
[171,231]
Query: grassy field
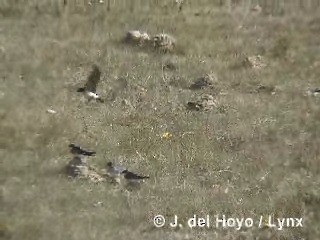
[256,154]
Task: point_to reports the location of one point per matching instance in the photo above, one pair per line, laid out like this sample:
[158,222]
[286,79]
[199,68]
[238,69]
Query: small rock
[51,111]
[98,204]
[137,37]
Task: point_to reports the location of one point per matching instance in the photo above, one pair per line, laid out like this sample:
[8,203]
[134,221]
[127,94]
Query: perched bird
[77,150]
[91,86]
[133,178]
[114,172]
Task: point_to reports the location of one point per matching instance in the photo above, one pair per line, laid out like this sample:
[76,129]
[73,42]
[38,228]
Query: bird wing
[77,150]
[93,79]
[133,176]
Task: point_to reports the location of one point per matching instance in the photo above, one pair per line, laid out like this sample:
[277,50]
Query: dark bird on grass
[132,177]
[77,150]
[90,89]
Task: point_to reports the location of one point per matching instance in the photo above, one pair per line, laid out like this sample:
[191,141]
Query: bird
[77,150]
[133,178]
[91,86]
[114,171]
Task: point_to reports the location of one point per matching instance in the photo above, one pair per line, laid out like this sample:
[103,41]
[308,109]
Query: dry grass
[257,154]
